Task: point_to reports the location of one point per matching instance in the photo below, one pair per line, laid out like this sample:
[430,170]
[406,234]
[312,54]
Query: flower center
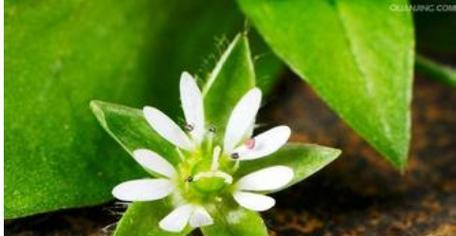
[214,179]
[209,182]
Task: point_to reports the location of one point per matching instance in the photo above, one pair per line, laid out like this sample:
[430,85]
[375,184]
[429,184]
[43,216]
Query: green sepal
[304,159]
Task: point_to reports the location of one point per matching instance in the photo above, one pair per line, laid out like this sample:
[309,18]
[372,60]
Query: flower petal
[254,201]
[177,219]
[143,190]
[169,130]
[266,179]
[152,161]
[192,104]
[265,143]
[200,217]
[241,119]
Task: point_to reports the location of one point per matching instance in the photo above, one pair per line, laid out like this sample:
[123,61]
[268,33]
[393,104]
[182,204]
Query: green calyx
[205,174]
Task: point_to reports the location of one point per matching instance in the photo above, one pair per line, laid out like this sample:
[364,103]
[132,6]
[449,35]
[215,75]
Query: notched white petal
[177,219]
[241,119]
[166,127]
[143,190]
[254,201]
[152,161]
[200,217]
[192,104]
[265,143]
[271,178]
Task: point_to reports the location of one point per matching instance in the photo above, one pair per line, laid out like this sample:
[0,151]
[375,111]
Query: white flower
[194,141]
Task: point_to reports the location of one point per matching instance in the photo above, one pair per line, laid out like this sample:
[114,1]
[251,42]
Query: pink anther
[250,143]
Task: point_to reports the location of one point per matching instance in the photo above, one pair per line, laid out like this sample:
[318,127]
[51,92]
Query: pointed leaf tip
[369,87]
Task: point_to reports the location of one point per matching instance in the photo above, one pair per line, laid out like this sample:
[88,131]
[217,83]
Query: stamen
[189,179]
[228,179]
[212,129]
[181,155]
[236,165]
[234,156]
[189,127]
[250,143]
[215,158]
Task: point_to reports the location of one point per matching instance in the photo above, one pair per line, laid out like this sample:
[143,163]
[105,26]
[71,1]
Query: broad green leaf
[235,221]
[358,56]
[231,78]
[59,55]
[131,130]
[304,159]
[142,218]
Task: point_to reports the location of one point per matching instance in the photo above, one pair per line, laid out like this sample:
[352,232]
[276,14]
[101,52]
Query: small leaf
[142,219]
[357,56]
[304,159]
[235,222]
[231,78]
[131,130]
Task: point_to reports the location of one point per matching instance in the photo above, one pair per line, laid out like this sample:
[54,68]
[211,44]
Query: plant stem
[442,73]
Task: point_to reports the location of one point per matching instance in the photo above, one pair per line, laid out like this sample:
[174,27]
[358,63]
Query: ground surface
[358,194]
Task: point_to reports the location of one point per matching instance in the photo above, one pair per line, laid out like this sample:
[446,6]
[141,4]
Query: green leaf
[358,56]
[268,67]
[59,55]
[231,78]
[131,130]
[142,218]
[434,70]
[304,159]
[235,222]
